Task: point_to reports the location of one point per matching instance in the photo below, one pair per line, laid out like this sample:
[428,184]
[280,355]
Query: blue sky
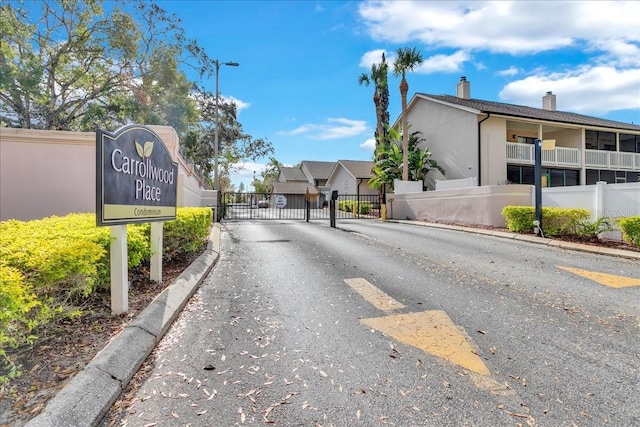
[297,83]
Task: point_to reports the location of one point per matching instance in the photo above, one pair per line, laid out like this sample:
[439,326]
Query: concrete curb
[529,238]
[86,399]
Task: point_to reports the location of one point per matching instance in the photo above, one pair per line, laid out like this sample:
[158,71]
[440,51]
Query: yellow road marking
[375,296]
[434,333]
[610,280]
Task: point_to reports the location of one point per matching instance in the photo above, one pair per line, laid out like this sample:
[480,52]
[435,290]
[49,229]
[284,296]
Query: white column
[119,270]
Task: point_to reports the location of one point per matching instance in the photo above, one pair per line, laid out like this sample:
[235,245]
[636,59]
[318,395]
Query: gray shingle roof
[319,170]
[291,173]
[295,187]
[532,113]
[358,168]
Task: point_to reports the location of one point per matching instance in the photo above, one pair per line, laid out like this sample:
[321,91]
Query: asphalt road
[392,324]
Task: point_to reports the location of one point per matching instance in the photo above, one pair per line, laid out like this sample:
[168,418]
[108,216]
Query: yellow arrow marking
[375,296]
[432,332]
[610,280]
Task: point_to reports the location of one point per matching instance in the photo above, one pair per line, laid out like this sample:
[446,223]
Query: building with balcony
[493,141]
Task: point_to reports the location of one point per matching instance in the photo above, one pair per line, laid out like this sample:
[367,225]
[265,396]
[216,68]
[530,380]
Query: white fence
[602,199]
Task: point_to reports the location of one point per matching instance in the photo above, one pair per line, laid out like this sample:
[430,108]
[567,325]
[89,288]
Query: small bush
[630,227]
[350,206]
[555,221]
[593,229]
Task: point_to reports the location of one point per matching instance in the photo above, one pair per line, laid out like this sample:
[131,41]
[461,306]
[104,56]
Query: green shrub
[555,221]
[350,205]
[48,265]
[630,227]
[593,229]
[187,233]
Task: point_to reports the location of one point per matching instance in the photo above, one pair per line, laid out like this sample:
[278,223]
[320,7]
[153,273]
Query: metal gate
[239,206]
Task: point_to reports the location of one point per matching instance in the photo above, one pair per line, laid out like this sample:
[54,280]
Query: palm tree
[378,78]
[406,61]
[389,165]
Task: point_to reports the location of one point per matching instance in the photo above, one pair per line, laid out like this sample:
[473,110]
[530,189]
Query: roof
[295,187]
[357,168]
[292,173]
[319,170]
[531,113]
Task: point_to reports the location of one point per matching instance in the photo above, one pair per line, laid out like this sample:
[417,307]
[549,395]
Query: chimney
[463,90]
[549,102]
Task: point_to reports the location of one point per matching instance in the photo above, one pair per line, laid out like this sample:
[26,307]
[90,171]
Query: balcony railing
[599,159]
[559,156]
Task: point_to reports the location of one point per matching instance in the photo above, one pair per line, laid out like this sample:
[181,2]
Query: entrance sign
[280,201]
[136,179]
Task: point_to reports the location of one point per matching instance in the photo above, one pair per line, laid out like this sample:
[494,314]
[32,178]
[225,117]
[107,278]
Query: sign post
[136,182]
[119,272]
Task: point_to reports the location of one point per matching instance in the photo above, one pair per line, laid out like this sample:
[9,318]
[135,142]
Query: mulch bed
[66,347]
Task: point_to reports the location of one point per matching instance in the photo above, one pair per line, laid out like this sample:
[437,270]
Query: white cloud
[374,57]
[511,71]
[432,64]
[446,63]
[601,72]
[332,129]
[515,27]
[240,105]
[589,90]
[369,145]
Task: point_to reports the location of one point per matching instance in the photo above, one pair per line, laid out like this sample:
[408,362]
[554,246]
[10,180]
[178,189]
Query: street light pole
[216,184]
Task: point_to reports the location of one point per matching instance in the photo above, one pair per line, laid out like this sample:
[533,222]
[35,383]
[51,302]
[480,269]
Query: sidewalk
[89,395]
[530,238]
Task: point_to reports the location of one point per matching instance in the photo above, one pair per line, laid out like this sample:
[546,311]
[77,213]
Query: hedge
[555,221]
[630,227]
[49,266]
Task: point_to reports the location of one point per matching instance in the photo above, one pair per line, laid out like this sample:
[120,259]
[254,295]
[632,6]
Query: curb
[530,239]
[86,399]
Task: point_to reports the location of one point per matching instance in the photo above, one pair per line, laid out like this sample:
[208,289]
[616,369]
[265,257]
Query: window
[555,177]
[526,140]
[629,143]
[610,176]
[596,140]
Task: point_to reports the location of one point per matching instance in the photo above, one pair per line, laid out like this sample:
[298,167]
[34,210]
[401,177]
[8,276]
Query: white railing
[612,160]
[559,156]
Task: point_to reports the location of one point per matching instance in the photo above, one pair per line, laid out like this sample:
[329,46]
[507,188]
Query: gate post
[332,209]
[307,212]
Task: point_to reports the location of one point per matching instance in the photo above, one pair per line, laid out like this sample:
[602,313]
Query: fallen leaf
[209,368]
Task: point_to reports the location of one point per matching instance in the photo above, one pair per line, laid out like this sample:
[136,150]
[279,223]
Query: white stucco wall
[450,134]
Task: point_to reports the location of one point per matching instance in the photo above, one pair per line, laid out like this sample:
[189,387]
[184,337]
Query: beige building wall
[473,205]
[455,148]
[493,132]
[45,173]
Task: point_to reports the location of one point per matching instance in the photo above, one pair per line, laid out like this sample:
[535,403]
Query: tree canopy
[80,65]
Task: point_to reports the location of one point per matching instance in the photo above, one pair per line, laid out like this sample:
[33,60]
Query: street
[392,324]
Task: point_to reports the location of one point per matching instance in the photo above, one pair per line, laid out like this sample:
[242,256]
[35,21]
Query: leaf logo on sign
[144,151]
